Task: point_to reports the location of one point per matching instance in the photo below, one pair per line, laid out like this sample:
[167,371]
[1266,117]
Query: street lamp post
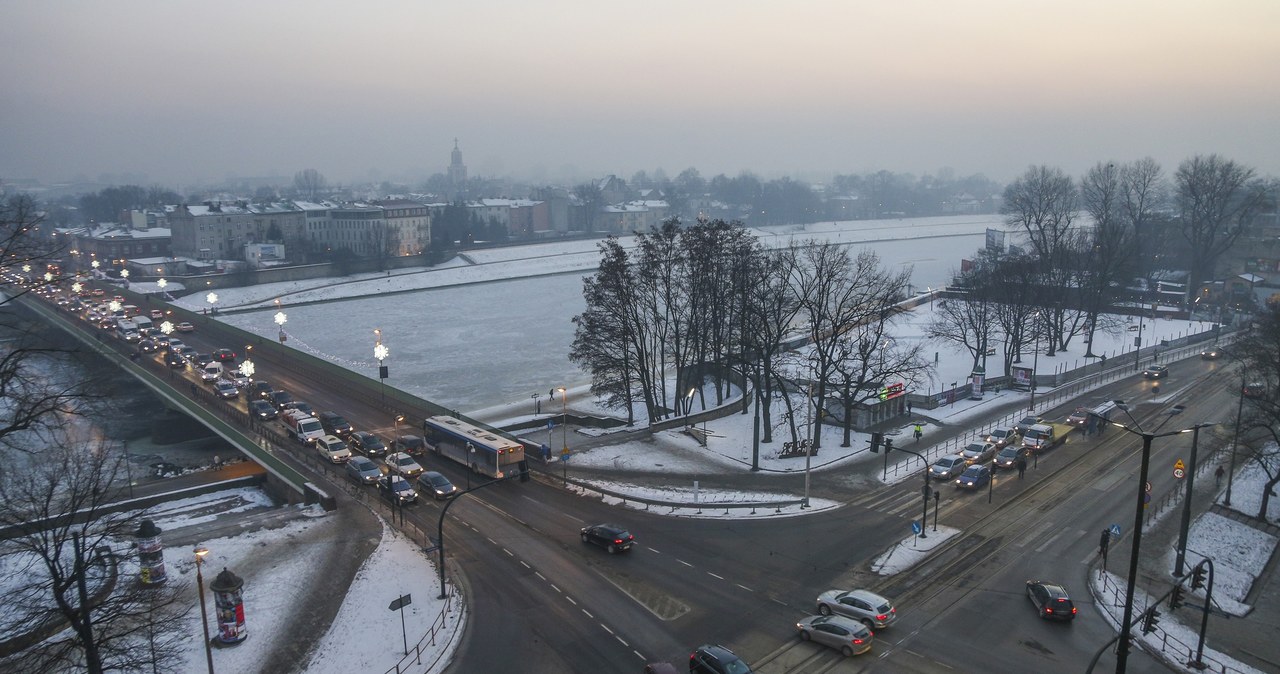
[280,319]
[1186,499]
[201,551]
[564,434]
[212,299]
[1035,361]
[1235,437]
[380,352]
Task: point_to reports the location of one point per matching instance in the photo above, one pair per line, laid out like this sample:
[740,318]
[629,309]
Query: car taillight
[1073,610]
[1048,609]
[882,617]
[857,641]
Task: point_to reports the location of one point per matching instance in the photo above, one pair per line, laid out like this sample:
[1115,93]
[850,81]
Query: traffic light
[1197,576]
[1175,599]
[1149,621]
[876,439]
[888,445]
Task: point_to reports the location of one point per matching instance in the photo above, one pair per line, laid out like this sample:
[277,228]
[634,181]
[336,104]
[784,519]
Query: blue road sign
[915,528]
[551,423]
[1115,530]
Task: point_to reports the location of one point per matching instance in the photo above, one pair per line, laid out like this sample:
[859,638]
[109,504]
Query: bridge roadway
[540,601]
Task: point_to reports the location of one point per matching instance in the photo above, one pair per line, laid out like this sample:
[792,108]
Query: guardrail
[910,465]
[777,505]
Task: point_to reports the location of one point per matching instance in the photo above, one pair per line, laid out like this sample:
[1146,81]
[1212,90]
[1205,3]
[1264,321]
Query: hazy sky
[181,91]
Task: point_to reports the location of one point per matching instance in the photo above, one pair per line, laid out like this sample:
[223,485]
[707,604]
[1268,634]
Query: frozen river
[486,343]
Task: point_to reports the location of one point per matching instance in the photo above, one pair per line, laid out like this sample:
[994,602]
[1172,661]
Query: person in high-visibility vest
[919,433]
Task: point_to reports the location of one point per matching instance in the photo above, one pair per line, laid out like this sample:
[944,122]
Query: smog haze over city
[185,93]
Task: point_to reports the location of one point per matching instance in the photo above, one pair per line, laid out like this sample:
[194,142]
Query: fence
[1083,383]
[777,505]
[1161,643]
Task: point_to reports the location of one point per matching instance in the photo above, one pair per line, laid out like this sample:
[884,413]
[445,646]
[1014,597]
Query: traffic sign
[1178,465]
[1179,473]
[1115,530]
[1148,491]
[915,527]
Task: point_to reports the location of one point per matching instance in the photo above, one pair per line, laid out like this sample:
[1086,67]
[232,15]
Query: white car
[402,464]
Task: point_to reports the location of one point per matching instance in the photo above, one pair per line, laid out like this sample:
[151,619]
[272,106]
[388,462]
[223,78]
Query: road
[541,601]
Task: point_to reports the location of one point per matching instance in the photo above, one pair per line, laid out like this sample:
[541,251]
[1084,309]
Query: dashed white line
[638,655]
[587,613]
[744,587]
[525,564]
[685,563]
[714,575]
[509,553]
[539,575]
[621,641]
[571,601]
[491,540]
[777,601]
[654,550]
[553,586]
[606,628]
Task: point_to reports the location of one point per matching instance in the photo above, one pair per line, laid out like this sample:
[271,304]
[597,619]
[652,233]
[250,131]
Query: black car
[175,361]
[1212,353]
[611,537]
[974,477]
[436,484]
[148,346]
[201,359]
[262,409]
[301,407]
[712,659]
[1051,600]
[1156,372]
[335,424]
[367,443]
[224,356]
[280,399]
[396,489]
[1026,423]
[1007,458]
[260,389]
[409,444]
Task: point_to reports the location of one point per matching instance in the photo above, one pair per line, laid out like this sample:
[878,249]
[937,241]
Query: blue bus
[483,451]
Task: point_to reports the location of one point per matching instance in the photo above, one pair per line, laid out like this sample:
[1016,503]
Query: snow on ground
[1171,636]
[1246,490]
[1239,553]
[910,551]
[711,504]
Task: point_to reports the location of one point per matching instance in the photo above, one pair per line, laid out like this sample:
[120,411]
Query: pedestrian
[1022,466]
[217,462]
[919,432]
[1217,475]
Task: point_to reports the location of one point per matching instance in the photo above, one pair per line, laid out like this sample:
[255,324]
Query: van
[1039,437]
[211,371]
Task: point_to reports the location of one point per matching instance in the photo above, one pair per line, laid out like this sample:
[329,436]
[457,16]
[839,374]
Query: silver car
[868,608]
[846,635]
[363,470]
[1003,437]
[978,452]
[948,467]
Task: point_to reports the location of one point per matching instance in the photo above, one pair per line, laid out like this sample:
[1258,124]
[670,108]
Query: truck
[1042,437]
[302,426]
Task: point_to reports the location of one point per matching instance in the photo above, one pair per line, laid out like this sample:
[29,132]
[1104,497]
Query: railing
[777,505]
[909,466]
[1162,644]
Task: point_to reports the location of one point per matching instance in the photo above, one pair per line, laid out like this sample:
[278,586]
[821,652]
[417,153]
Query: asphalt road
[542,601]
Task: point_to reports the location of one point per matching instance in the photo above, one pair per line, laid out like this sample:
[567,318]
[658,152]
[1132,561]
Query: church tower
[457,170]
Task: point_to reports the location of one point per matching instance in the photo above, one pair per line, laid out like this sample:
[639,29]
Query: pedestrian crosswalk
[901,502]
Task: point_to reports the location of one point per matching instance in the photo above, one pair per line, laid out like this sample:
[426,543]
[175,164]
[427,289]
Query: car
[714,659]
[948,467]
[409,444]
[188,352]
[280,399]
[237,377]
[367,443]
[866,607]
[333,448]
[431,482]
[156,315]
[396,489]
[260,389]
[225,389]
[335,423]
[201,359]
[402,464]
[262,409]
[162,341]
[1254,389]
[1007,457]
[978,452]
[363,470]
[224,355]
[974,477]
[846,635]
[303,407]
[147,346]
[185,327]
[611,537]
[1078,417]
[1026,423]
[1051,600]
[1213,353]
[174,344]
[1003,437]
[1156,372]
[175,361]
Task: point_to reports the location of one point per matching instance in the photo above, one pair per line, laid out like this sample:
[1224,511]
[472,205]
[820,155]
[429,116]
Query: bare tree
[1111,250]
[968,323]
[1259,355]
[1218,200]
[75,606]
[309,183]
[1043,203]
[591,200]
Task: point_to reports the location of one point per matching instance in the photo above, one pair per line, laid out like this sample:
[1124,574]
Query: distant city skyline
[558,92]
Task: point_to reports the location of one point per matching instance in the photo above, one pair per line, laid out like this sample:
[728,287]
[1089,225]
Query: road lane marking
[606,628]
[714,575]
[744,587]
[1050,541]
[685,563]
[587,613]
[525,564]
[571,601]
[539,575]
[638,655]
[624,643]
[553,586]
[654,550]
[508,552]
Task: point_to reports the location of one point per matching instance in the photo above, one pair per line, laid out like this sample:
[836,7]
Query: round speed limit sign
[1179,473]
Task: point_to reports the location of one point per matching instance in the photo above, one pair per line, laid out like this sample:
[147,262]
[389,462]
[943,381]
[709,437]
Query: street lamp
[212,299]
[201,551]
[1122,650]
[1035,361]
[380,352]
[1186,499]
[1235,438]
[280,320]
[124,274]
[564,419]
